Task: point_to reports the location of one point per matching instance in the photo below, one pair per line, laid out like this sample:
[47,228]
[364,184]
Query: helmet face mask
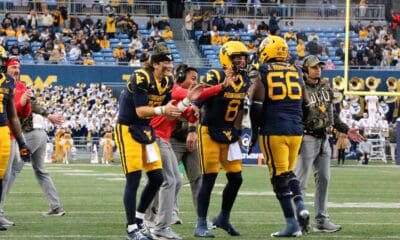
[229,56]
[273,48]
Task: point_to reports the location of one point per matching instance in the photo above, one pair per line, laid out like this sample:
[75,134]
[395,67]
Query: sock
[203,198]
[150,190]
[230,191]
[131,186]
[286,206]
[132,228]
[139,219]
[202,222]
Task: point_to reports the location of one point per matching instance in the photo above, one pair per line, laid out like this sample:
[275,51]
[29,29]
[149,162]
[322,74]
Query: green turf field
[364,199]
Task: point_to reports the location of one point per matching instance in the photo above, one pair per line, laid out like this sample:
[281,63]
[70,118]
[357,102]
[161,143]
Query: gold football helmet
[230,49]
[273,48]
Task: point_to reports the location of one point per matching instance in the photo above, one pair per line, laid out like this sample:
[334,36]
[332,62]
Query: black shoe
[2,228]
[227,226]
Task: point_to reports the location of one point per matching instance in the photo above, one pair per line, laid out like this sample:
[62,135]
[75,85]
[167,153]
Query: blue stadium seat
[26,57]
[97,54]
[107,54]
[98,58]
[114,40]
[122,36]
[27,61]
[109,59]
[106,50]
[338,63]
[125,40]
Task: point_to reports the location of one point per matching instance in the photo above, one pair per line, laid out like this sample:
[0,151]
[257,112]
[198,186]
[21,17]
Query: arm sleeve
[210,92]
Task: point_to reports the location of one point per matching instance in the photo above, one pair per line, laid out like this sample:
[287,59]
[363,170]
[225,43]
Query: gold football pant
[213,154]
[5,148]
[133,153]
[280,152]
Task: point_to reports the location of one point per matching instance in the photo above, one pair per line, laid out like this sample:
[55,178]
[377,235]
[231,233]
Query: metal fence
[295,11]
[159,8]
[83,7]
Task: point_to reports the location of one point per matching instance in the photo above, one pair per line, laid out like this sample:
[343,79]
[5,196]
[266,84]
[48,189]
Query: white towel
[152,155]
[234,152]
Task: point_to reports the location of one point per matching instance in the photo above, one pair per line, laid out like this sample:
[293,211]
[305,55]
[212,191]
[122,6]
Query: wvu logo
[228,134]
[322,108]
[38,83]
[148,134]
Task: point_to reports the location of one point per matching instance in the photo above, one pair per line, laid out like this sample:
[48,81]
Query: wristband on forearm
[159,110]
[191,129]
[182,105]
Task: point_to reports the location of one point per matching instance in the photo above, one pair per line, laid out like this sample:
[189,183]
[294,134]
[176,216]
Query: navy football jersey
[222,109]
[143,90]
[282,107]
[7,88]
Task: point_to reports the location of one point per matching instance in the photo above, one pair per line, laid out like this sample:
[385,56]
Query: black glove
[24,151]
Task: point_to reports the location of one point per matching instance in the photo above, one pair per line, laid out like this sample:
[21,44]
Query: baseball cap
[161,53]
[312,61]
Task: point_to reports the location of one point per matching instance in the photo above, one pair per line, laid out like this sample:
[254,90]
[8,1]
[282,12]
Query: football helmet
[273,48]
[228,51]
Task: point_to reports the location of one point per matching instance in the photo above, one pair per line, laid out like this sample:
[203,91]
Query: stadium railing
[295,11]
[82,7]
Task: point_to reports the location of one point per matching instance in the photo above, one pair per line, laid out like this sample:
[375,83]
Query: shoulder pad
[213,77]
[142,75]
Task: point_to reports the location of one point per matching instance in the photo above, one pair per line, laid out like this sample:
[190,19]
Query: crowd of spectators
[370,45]
[87,110]
[45,37]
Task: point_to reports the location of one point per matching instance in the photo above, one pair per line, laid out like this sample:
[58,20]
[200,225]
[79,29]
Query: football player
[219,132]
[148,94]
[8,115]
[276,114]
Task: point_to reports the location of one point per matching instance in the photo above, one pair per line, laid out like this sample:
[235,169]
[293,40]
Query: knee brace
[294,184]
[281,186]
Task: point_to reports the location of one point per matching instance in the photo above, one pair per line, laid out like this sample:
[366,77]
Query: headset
[181,73]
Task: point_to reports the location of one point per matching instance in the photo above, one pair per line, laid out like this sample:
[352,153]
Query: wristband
[191,129]
[182,105]
[159,110]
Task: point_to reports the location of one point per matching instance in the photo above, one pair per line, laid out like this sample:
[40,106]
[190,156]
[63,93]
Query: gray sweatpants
[191,163]
[315,153]
[36,141]
[170,187]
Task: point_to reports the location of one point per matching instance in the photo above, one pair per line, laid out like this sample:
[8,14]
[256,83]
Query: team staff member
[8,115]
[163,128]
[184,136]
[277,112]
[147,95]
[219,132]
[315,151]
[36,139]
